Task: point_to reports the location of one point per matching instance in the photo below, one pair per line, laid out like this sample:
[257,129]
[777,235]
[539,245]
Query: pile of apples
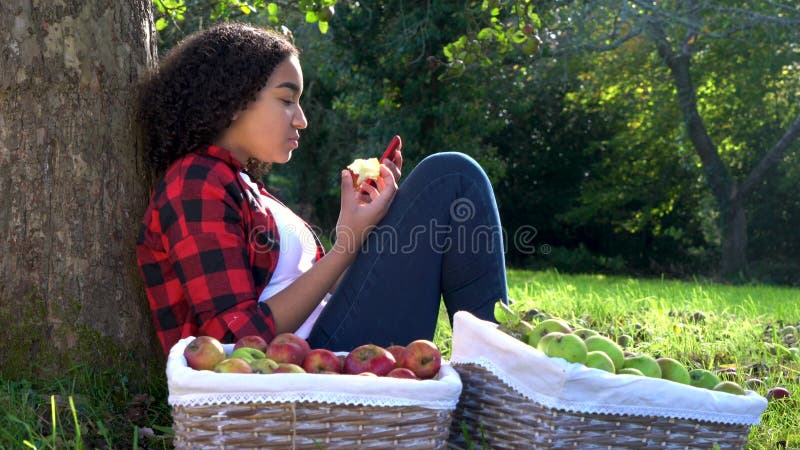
[555,338]
[289,353]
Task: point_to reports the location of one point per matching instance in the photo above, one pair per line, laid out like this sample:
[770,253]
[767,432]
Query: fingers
[395,165]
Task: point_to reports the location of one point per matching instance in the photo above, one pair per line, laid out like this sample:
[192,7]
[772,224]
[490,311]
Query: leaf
[245,9]
[161,23]
[272,9]
[311,17]
[323,27]
[486,34]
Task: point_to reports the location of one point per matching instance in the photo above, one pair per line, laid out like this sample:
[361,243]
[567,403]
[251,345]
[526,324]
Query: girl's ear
[235,116]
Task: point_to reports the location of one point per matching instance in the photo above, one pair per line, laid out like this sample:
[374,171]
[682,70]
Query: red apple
[288,348]
[423,358]
[203,353]
[322,360]
[233,365]
[398,351]
[777,393]
[341,362]
[253,341]
[369,358]
[288,368]
[401,372]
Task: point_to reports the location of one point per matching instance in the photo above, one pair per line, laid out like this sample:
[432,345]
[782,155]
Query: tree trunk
[73,187]
[734,239]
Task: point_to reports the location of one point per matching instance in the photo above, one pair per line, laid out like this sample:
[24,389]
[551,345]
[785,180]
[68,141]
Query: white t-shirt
[298,248]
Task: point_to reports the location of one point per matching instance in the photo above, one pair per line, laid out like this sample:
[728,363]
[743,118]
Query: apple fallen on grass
[321,360]
[778,393]
[203,353]
[369,358]
[423,358]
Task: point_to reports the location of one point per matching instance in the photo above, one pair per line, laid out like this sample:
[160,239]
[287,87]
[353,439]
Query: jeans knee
[452,162]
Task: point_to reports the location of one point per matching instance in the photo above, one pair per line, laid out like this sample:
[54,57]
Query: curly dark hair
[199,86]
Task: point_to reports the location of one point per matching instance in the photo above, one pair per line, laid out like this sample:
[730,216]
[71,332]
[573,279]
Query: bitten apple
[364,169]
[369,358]
[288,348]
[322,360]
[203,353]
[423,358]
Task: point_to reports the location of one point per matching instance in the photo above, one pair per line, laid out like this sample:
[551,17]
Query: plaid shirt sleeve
[203,249]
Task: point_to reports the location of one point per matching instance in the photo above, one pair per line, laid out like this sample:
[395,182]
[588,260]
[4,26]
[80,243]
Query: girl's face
[269,129]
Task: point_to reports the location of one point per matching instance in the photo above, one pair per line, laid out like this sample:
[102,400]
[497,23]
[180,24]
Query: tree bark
[73,185]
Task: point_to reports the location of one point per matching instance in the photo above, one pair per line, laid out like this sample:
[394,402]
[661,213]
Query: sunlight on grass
[699,323]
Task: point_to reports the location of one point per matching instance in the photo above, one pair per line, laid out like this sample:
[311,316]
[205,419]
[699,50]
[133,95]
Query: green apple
[599,360]
[624,340]
[645,363]
[630,371]
[567,346]
[518,329]
[584,333]
[607,346]
[730,387]
[233,365]
[673,370]
[248,354]
[703,378]
[503,314]
[264,365]
[547,326]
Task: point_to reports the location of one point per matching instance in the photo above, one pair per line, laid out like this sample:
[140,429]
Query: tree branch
[772,158]
[719,178]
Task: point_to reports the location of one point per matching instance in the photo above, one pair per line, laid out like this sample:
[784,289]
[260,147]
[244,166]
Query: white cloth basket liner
[558,384]
[189,387]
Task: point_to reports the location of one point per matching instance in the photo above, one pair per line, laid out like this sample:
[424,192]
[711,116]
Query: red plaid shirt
[206,249]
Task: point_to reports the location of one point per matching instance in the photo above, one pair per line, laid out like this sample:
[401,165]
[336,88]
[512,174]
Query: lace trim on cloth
[557,384]
[189,387]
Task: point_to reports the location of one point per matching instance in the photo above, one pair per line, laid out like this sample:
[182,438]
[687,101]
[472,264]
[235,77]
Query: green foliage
[582,138]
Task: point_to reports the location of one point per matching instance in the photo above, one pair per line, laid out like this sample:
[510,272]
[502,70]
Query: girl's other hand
[362,209]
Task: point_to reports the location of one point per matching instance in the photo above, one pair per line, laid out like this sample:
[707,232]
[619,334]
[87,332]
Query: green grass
[108,412]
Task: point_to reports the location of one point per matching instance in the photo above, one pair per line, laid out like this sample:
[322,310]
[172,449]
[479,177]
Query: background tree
[708,48]
[73,186]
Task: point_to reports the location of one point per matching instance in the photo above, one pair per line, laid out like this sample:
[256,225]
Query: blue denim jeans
[441,238]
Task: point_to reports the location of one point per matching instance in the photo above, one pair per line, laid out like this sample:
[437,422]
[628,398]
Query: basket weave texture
[309,426]
[497,417]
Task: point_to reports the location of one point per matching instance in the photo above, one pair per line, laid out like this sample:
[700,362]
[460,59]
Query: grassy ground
[736,326]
